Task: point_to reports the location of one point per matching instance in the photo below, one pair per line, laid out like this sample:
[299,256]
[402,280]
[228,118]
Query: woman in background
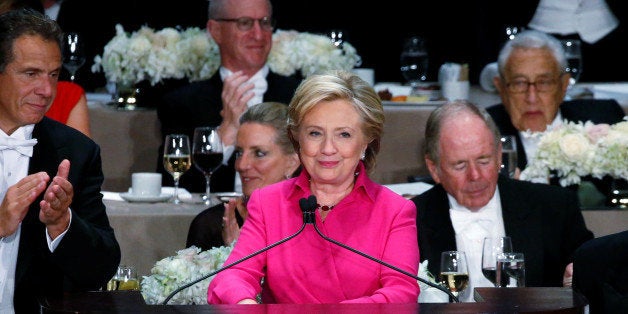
[264,155]
[70,107]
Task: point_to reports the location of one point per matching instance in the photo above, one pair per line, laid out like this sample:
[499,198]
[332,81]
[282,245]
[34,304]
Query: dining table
[149,232]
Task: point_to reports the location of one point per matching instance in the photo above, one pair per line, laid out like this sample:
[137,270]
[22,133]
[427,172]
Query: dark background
[455,30]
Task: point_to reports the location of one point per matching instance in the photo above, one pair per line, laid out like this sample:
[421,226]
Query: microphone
[307,206]
[312,198]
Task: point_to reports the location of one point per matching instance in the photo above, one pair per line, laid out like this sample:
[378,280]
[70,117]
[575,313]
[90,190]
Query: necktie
[24,147]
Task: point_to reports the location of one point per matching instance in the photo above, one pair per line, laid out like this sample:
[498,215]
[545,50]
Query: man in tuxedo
[243,30]
[532,85]
[55,236]
[471,201]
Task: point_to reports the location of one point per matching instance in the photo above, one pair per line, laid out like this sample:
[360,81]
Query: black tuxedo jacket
[205,229]
[199,104]
[543,221]
[600,273]
[581,110]
[88,255]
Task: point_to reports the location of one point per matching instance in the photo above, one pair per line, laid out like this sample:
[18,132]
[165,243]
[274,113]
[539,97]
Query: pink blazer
[309,269]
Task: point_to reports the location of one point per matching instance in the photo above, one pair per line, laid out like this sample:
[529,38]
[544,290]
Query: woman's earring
[363,156]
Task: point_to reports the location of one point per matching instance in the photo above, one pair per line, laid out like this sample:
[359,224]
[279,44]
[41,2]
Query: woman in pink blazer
[335,123]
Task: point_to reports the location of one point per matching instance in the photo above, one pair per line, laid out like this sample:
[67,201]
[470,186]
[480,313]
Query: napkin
[618,91]
[486,77]
[449,72]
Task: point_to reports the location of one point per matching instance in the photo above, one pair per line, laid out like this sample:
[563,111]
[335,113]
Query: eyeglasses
[246,23]
[541,85]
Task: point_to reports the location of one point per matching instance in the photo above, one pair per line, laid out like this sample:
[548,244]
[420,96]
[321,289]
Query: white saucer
[130,197]
[226,196]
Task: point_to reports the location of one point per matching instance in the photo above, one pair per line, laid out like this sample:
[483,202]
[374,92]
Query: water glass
[509,155]
[414,60]
[511,270]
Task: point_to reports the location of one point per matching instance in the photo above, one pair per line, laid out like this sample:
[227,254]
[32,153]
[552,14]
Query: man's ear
[433,168]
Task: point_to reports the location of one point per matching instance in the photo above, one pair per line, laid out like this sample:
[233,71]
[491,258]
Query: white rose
[575,146]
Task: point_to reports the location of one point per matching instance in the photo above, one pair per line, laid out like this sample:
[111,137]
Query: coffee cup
[366,74]
[454,90]
[146,184]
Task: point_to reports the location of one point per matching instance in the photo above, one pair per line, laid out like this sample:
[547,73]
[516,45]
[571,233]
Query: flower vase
[617,196]
[143,95]
[126,96]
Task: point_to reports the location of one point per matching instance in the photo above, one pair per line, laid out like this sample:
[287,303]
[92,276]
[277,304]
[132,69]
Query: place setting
[146,188]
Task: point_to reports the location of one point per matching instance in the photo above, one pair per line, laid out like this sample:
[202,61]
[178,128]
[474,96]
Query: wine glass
[177,159]
[454,274]
[573,55]
[73,53]
[414,60]
[509,155]
[490,249]
[337,37]
[207,154]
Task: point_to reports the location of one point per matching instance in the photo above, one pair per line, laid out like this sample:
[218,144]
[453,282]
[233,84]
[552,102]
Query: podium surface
[489,300]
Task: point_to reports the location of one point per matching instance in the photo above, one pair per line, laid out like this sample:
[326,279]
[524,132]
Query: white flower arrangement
[575,150]
[173,272]
[156,55]
[429,294]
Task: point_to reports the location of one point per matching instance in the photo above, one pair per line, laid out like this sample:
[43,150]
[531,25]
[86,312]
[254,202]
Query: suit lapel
[517,216]
[439,231]
[45,158]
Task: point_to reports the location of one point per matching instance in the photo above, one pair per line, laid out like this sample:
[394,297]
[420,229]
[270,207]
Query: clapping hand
[54,208]
[236,92]
[17,200]
[230,227]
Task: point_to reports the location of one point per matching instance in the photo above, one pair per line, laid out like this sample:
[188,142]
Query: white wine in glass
[207,155]
[177,159]
[454,274]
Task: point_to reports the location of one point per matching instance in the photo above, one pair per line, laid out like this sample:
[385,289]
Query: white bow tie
[24,147]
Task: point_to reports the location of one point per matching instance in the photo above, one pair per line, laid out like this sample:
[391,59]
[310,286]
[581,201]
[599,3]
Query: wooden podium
[489,300]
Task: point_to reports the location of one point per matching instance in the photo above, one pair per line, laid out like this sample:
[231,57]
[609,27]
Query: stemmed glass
[574,59]
[73,53]
[177,159]
[509,155]
[454,274]
[207,154]
[414,61]
[337,37]
[492,247]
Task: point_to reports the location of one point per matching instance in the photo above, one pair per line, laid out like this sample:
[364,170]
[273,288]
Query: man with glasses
[532,84]
[243,31]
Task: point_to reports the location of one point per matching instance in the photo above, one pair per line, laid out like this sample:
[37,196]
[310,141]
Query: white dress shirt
[261,85]
[14,167]
[530,140]
[471,227]
[591,19]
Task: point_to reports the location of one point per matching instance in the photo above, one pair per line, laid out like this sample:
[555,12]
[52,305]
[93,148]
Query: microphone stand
[187,285]
[431,284]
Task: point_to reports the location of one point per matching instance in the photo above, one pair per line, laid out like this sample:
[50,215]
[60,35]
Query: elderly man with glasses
[243,31]
[532,84]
